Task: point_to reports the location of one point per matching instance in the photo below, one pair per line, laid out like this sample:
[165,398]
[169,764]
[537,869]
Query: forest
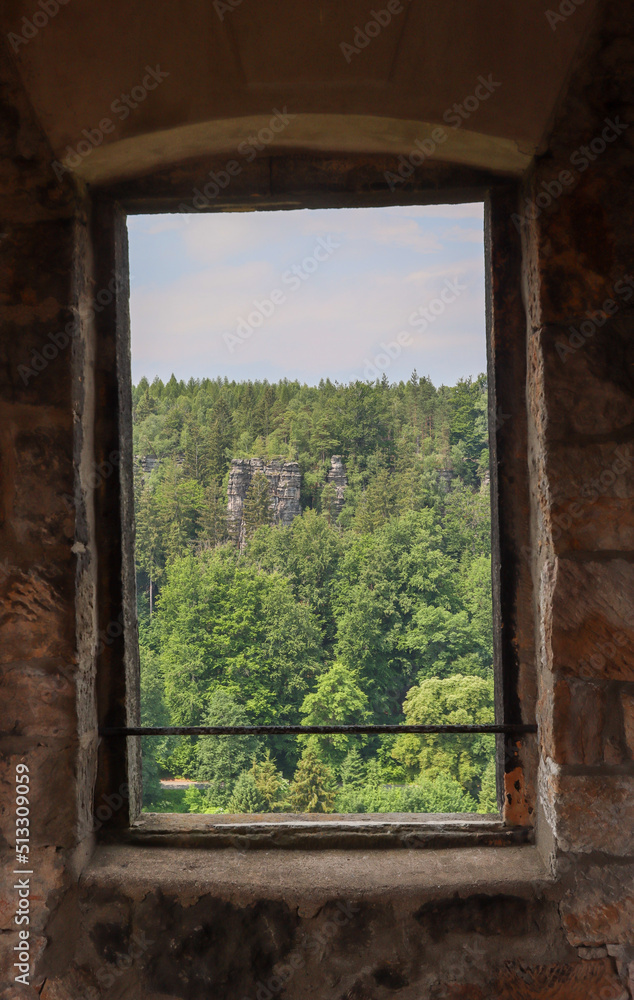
[377,609]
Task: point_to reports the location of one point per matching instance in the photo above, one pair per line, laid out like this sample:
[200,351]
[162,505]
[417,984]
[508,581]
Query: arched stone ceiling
[207,75]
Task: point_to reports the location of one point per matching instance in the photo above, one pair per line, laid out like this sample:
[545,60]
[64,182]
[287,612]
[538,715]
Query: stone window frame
[288,182]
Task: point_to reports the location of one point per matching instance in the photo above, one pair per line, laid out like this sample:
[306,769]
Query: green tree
[308,554]
[488,791]
[221,433]
[213,518]
[221,759]
[329,503]
[441,642]
[246,797]
[257,510]
[455,700]
[153,713]
[148,549]
[377,504]
[384,578]
[268,780]
[337,700]
[219,623]
[313,787]
[394,590]
[353,769]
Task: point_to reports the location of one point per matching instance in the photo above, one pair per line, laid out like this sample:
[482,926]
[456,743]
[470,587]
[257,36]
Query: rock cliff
[284,483]
[337,476]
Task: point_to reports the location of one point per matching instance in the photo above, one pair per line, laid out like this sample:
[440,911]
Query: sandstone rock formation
[337,476]
[284,482]
[147,463]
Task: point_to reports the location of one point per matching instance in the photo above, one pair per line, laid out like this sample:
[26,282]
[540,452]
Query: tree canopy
[377,609]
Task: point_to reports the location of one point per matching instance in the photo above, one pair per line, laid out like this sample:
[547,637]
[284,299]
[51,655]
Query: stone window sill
[307,876]
[387,831]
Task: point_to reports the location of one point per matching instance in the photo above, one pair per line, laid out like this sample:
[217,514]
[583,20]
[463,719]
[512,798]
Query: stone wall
[547,922]
[578,241]
[48,561]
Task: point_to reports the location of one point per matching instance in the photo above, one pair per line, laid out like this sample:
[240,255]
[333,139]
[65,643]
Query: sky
[309,294]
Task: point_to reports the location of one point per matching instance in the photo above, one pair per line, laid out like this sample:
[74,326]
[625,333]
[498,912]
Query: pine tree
[268,780]
[329,502]
[148,535]
[312,789]
[246,798]
[353,770]
[220,439]
[213,518]
[256,511]
[197,446]
[145,406]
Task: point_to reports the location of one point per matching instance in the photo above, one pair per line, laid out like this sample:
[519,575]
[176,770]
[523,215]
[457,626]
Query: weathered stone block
[35,360]
[600,906]
[592,625]
[36,265]
[42,698]
[588,812]
[52,797]
[571,717]
[284,479]
[585,980]
[588,373]
[36,621]
[337,476]
[574,240]
[37,487]
[591,489]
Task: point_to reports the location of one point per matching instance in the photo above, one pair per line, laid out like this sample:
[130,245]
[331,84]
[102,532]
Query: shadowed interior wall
[552,921]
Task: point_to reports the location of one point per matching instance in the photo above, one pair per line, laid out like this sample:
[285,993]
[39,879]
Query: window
[239,552]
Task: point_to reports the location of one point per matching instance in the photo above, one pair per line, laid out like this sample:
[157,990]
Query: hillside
[315,554]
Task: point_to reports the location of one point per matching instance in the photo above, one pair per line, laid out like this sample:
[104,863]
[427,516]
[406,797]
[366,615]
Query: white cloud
[361,296]
[463,235]
[467,210]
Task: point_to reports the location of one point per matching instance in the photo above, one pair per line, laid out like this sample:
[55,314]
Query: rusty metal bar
[308,730]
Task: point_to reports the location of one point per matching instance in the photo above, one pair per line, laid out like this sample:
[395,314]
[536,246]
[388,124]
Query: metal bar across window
[510,729]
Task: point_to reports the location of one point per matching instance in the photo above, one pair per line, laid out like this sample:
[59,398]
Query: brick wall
[579,270]
[46,566]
